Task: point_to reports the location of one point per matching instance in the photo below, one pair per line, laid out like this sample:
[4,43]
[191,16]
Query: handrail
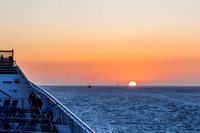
[63,108]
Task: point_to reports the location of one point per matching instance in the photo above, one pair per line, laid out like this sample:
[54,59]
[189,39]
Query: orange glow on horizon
[111,73]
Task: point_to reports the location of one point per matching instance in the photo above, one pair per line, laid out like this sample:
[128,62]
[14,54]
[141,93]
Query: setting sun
[132,83]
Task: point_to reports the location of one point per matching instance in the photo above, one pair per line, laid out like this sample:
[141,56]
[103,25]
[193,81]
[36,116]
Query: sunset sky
[104,42]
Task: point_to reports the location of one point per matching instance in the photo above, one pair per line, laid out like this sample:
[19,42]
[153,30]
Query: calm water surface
[118,109]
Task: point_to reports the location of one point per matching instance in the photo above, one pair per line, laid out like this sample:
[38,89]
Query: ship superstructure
[16,114]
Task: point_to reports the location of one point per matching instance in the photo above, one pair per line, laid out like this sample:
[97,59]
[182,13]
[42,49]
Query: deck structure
[16,114]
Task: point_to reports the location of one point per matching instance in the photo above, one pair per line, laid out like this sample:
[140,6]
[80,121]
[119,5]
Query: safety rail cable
[63,108]
[60,105]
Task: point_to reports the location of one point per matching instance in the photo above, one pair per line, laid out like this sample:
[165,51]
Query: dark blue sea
[121,109]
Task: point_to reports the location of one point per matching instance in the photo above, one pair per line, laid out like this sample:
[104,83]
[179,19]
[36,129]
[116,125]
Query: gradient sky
[104,42]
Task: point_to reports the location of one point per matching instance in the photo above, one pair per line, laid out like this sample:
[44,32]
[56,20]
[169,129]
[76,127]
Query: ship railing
[21,104]
[13,115]
[72,116]
[8,68]
[8,63]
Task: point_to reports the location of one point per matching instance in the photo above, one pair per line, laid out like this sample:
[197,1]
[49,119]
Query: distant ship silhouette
[89,86]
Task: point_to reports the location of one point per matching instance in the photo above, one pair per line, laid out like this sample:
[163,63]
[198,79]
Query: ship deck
[22,119]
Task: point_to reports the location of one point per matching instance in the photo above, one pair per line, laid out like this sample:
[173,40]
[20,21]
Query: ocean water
[121,109]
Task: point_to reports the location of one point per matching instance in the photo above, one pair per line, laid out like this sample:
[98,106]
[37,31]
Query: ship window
[16,80]
[7,82]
